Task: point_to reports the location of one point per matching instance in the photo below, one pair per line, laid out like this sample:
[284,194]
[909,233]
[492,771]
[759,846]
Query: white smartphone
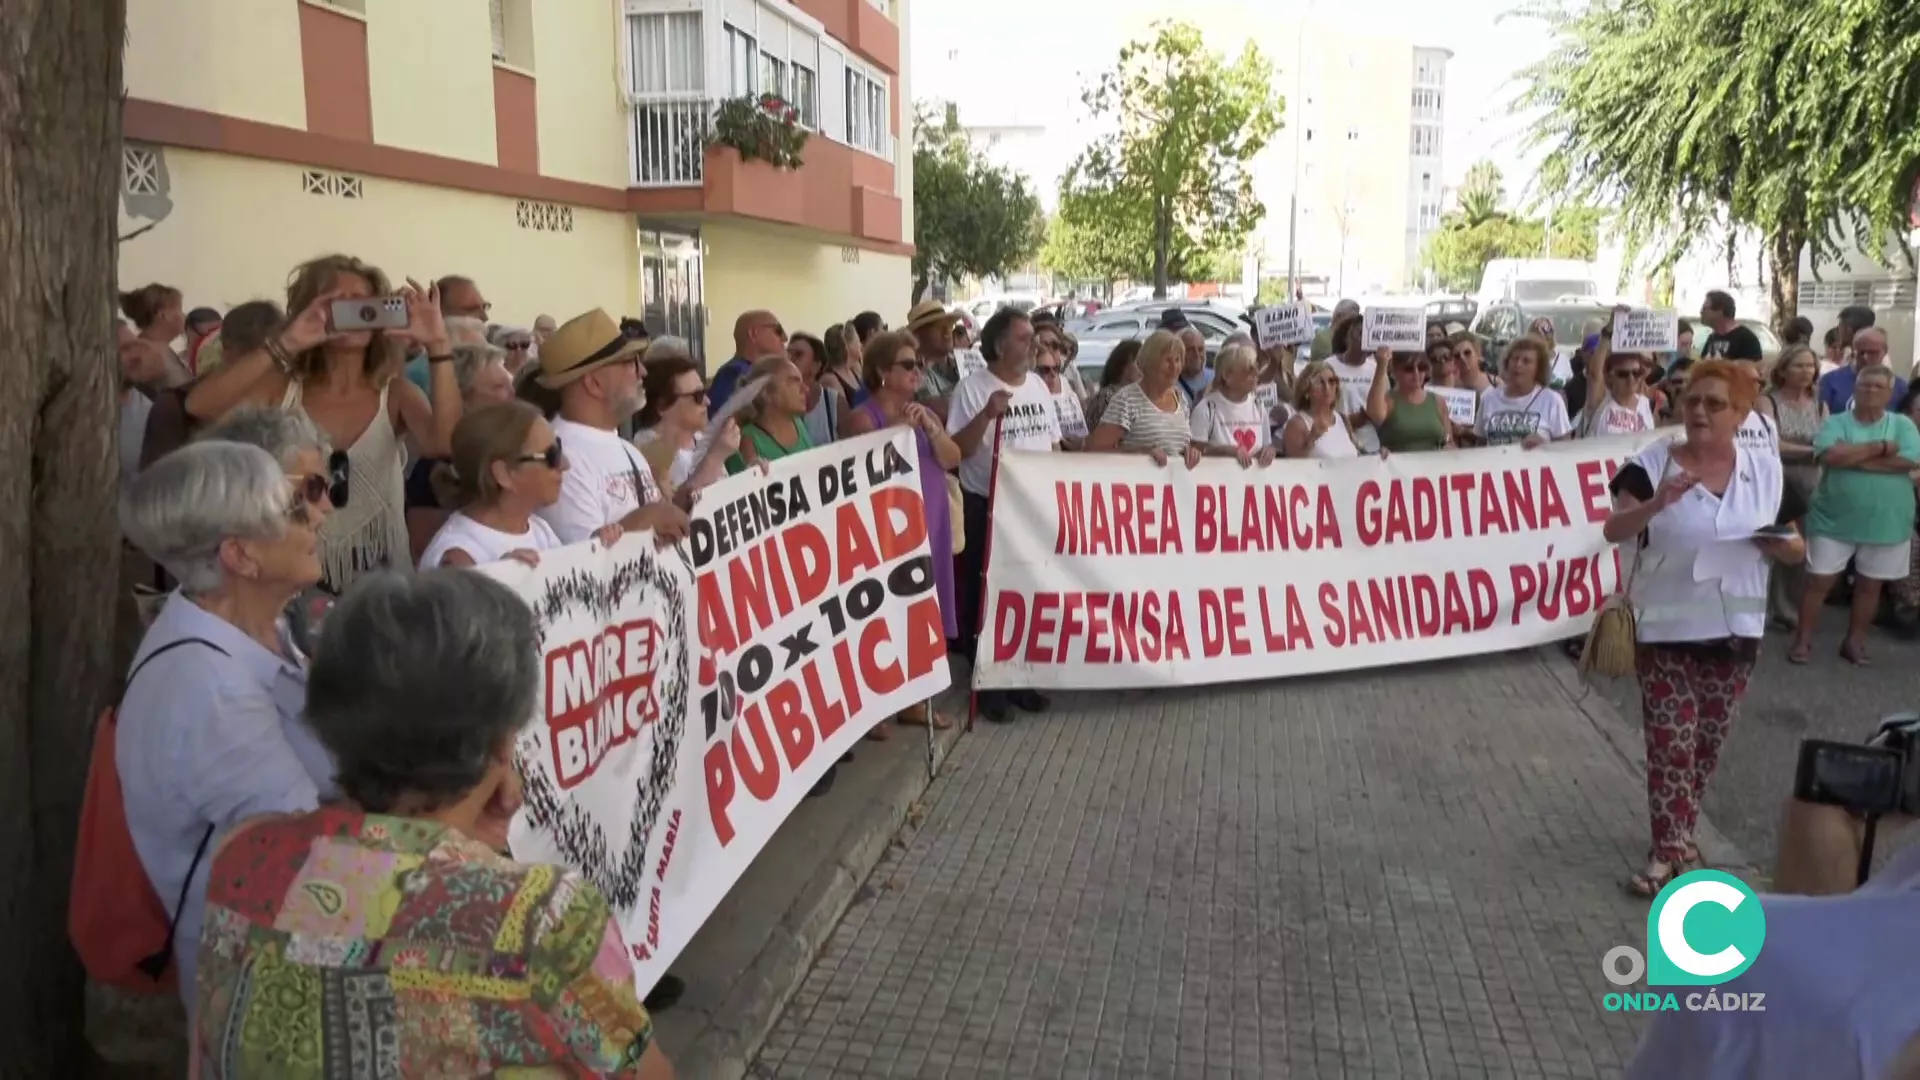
[371,313]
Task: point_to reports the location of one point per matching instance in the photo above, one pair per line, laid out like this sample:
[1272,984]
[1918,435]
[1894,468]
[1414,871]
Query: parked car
[1141,321]
[1452,309]
[1501,323]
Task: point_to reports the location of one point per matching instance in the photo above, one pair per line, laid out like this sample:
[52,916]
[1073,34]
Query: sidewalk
[755,950]
[1412,872]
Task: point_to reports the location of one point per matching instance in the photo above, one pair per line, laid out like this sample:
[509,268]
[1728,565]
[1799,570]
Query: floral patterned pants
[1689,693]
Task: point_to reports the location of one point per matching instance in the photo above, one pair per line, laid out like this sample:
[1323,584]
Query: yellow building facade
[555,152]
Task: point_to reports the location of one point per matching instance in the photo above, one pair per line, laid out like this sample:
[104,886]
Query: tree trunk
[920,282]
[1783,257]
[1162,245]
[60,85]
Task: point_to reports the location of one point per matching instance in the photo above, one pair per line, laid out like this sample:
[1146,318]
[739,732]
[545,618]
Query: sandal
[1647,886]
[916,716]
[1800,654]
[1856,655]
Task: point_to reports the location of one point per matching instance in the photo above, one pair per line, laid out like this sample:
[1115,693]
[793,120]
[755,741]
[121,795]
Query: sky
[1025,61]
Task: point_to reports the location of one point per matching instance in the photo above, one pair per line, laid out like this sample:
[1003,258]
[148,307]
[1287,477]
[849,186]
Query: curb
[761,992]
[1622,735]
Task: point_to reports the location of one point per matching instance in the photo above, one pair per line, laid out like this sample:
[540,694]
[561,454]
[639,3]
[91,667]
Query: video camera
[1869,781]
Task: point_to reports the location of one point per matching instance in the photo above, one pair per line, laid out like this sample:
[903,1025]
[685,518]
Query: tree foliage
[1785,118]
[1482,229]
[1173,171]
[971,218]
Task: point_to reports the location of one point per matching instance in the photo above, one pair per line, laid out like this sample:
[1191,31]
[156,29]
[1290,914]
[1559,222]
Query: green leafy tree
[1787,119]
[1482,229]
[1186,123]
[970,217]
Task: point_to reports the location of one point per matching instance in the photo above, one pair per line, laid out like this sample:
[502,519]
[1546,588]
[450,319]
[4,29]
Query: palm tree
[1481,194]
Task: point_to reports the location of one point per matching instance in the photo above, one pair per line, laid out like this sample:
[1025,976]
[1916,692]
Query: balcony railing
[670,139]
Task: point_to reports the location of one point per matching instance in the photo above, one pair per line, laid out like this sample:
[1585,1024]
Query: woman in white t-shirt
[1523,409]
[1698,586]
[1615,402]
[1230,421]
[507,464]
[672,423]
[1318,428]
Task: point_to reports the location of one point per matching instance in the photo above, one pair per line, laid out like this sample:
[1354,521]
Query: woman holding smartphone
[1706,514]
[341,369]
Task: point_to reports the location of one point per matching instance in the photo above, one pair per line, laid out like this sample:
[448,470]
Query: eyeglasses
[1420,366]
[1709,405]
[1624,373]
[308,490]
[1047,369]
[551,457]
[519,346]
[776,328]
[906,365]
[698,397]
[1441,356]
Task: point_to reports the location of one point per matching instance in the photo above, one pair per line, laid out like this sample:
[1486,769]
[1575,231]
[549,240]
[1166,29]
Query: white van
[1537,280]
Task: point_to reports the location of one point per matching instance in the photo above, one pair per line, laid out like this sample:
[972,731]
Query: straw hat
[928,312]
[582,344]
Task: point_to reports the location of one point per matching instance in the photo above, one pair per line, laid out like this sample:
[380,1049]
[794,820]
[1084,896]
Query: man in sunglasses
[757,335]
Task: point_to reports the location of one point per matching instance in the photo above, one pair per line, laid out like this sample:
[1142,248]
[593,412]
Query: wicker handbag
[1615,634]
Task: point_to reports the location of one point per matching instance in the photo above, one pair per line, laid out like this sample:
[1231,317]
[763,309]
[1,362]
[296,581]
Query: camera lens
[370,313]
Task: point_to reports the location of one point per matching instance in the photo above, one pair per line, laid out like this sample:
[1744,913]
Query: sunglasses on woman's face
[1624,373]
[551,457]
[906,365]
[308,490]
[698,397]
[1047,369]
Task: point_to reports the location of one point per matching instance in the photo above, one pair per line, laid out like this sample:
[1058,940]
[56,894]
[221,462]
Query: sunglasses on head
[551,457]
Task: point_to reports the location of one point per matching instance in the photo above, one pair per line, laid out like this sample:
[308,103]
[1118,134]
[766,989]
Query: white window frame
[728,35]
[866,91]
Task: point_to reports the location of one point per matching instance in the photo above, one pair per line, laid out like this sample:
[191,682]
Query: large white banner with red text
[1108,571]
[692,695]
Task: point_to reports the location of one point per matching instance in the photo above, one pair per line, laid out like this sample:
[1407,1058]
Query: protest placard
[1107,572]
[1283,324]
[1646,330]
[1462,405]
[693,695]
[1073,418]
[1396,328]
[969,361]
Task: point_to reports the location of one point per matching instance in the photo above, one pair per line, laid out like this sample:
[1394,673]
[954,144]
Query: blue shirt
[206,739]
[726,381]
[1838,975]
[1836,389]
[420,374]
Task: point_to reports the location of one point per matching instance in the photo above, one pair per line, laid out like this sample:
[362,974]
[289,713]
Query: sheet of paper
[1720,559]
[1645,330]
[1399,329]
[1283,324]
[969,361]
[744,395]
[1073,419]
[1461,404]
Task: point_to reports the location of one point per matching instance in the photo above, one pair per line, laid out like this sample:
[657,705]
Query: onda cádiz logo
[1705,928]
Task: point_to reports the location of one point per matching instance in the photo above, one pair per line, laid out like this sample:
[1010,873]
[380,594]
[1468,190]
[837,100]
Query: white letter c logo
[1673,935]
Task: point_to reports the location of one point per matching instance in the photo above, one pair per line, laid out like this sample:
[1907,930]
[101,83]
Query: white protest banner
[1646,330]
[687,709]
[1073,418]
[611,761]
[1106,571]
[1283,324]
[1399,329]
[969,361]
[1463,406]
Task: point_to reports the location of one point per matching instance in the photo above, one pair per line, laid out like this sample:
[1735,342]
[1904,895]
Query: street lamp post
[1293,200]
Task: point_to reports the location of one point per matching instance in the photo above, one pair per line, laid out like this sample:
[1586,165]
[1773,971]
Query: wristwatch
[447,359]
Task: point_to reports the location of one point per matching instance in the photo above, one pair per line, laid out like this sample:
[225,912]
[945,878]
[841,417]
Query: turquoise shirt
[420,374]
[1857,506]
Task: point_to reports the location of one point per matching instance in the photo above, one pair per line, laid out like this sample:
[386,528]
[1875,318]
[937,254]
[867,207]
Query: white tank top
[485,544]
[1336,443]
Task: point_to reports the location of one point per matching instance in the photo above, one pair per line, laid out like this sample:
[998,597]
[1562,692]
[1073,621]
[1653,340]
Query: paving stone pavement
[1399,873]
[1825,699]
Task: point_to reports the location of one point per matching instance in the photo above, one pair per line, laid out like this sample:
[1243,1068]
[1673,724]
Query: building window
[866,112]
[668,57]
[1426,140]
[512,26]
[773,76]
[667,69]
[805,95]
[743,54]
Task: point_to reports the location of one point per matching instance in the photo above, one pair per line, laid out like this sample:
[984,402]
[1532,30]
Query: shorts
[1879,562]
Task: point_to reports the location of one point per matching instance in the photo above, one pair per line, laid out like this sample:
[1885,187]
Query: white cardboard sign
[1646,330]
[1399,329]
[1283,324]
[1462,405]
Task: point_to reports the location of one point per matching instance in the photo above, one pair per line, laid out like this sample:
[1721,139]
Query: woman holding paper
[672,423]
[1229,421]
[1409,418]
[1704,510]
[891,377]
[1614,404]
[1862,511]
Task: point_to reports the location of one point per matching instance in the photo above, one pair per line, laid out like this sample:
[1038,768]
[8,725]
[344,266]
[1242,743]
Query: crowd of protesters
[341,478]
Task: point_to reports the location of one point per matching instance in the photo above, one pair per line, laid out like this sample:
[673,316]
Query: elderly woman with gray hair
[1229,421]
[481,372]
[210,730]
[430,953]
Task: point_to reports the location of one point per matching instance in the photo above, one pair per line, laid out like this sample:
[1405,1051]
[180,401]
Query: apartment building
[555,152]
